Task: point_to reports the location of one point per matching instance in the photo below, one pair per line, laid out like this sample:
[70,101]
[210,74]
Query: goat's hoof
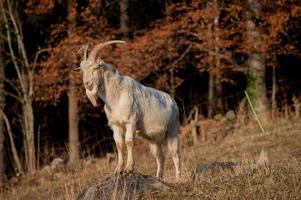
[128,169]
[118,170]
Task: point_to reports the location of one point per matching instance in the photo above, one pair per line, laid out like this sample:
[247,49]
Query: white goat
[132,108]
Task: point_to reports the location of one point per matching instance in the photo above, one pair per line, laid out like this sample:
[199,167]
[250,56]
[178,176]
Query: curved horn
[97,48]
[85,49]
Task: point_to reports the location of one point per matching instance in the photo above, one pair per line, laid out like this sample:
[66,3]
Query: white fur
[132,108]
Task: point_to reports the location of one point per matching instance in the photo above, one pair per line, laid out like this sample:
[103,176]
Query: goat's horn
[97,48]
[77,68]
[85,49]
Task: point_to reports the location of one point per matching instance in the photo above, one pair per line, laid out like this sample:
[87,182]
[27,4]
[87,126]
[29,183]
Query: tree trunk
[211,89]
[256,83]
[98,9]
[219,95]
[28,121]
[72,99]
[16,158]
[217,60]
[274,92]
[73,124]
[2,105]
[172,83]
[124,18]
[72,93]
[24,73]
[194,132]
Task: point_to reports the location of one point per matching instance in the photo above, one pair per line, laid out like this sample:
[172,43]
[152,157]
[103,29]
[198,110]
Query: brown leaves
[218,34]
[39,7]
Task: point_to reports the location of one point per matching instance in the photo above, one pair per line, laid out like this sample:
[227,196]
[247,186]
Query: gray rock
[57,162]
[123,186]
[218,117]
[46,168]
[230,115]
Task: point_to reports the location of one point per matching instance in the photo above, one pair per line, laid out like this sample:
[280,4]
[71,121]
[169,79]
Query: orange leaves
[39,7]
[296,11]
[217,33]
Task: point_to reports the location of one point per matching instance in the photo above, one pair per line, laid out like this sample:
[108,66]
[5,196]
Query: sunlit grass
[267,167]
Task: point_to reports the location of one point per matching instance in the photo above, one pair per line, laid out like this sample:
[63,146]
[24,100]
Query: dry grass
[268,167]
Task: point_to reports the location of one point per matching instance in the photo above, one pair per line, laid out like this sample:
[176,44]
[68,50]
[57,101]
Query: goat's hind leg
[173,147]
[156,150]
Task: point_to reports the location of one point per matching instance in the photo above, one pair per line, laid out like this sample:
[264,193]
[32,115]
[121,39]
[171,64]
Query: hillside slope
[266,167]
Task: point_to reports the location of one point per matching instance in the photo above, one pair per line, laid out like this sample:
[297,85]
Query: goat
[132,108]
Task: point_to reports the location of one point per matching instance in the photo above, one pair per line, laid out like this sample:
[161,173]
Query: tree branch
[18,34]
[9,41]
[12,85]
[12,95]
[12,143]
[182,55]
[38,53]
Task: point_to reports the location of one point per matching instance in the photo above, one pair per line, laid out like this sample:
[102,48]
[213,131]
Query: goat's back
[157,110]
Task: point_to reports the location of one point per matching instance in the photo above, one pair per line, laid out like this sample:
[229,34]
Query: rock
[123,186]
[13,181]
[57,162]
[218,117]
[46,168]
[211,167]
[230,115]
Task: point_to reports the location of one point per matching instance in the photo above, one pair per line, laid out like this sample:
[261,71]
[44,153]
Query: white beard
[92,95]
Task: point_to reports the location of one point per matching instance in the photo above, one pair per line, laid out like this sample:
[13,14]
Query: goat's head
[91,68]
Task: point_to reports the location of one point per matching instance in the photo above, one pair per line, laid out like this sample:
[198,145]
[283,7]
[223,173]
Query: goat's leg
[119,140]
[156,150]
[129,141]
[173,147]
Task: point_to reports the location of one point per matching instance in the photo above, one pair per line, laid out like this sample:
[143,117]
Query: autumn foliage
[175,46]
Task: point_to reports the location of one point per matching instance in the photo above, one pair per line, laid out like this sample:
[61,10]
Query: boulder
[56,163]
[230,115]
[123,186]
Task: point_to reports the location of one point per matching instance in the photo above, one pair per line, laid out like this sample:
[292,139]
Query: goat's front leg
[129,141]
[119,140]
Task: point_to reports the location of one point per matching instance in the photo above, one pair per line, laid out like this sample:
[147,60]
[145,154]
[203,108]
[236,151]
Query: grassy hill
[266,167]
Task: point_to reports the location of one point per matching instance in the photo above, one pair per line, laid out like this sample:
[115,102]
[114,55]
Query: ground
[267,167]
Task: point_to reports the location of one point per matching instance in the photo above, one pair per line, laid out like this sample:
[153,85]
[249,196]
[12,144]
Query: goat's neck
[110,88]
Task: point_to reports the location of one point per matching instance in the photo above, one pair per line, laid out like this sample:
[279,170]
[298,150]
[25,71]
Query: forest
[213,57]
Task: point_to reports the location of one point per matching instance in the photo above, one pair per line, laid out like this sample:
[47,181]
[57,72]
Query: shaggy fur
[132,108]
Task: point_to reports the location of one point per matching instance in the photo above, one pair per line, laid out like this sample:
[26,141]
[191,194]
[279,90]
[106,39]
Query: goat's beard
[92,95]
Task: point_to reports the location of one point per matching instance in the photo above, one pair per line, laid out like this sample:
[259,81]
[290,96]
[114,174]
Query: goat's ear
[99,61]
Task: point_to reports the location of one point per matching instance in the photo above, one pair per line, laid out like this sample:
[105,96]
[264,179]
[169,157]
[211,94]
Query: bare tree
[23,87]
[2,105]
[18,166]
[72,98]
